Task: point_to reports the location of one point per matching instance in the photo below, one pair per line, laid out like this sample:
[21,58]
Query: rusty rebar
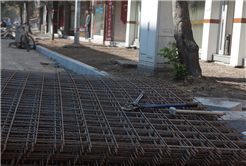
[61,118]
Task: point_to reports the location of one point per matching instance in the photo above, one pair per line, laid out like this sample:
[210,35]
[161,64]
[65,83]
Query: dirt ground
[219,80]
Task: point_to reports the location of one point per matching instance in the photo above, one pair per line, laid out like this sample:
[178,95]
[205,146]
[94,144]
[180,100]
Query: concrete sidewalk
[19,59]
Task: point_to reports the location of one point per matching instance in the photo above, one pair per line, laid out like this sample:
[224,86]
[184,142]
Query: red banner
[109,20]
[124,11]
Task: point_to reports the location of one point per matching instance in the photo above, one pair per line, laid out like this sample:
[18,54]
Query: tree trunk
[49,9]
[52,21]
[21,10]
[28,18]
[188,49]
[66,19]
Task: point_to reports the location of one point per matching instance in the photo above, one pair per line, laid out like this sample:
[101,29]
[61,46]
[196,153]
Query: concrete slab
[244,133]
[237,119]
[222,58]
[235,115]
[238,124]
[220,105]
[19,59]
[71,64]
[127,63]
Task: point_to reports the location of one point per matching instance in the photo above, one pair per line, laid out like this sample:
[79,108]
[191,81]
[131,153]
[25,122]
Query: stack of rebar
[69,119]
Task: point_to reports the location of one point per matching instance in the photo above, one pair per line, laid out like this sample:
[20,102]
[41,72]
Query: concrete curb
[74,65]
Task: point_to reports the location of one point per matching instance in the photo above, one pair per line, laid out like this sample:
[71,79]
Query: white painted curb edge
[74,65]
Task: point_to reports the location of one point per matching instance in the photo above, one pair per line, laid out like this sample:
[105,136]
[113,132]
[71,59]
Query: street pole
[76,22]
[24,12]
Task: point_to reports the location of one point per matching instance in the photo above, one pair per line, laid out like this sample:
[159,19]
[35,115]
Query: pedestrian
[88,23]
[3,24]
[7,23]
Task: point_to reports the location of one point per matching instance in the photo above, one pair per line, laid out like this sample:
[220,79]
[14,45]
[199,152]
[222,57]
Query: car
[16,23]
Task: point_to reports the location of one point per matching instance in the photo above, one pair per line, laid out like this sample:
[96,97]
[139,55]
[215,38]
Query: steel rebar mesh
[58,118]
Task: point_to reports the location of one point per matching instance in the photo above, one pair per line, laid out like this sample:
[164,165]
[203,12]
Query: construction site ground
[61,118]
[19,59]
[219,80]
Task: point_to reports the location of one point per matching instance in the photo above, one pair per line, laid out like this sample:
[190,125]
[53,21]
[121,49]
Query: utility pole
[24,12]
[77,22]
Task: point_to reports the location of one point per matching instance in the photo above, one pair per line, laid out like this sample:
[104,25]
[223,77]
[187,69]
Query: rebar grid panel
[63,119]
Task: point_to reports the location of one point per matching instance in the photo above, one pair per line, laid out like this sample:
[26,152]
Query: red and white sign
[109,20]
[124,11]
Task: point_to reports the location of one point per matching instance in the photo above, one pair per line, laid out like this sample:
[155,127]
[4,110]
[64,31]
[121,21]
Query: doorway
[223,16]
[98,21]
[61,16]
[137,25]
[226,27]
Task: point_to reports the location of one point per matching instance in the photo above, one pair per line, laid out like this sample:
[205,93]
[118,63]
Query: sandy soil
[218,80]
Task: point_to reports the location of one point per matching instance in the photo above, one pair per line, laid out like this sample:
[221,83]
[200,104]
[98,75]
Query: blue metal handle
[139,97]
[168,105]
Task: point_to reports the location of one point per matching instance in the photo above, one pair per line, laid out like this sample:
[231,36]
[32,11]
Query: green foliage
[11,9]
[11,14]
[179,69]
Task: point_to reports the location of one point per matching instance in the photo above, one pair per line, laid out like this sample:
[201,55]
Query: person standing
[88,23]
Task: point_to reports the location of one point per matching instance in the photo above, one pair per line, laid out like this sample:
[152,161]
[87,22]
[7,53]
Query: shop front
[84,5]
[98,20]
[225,27]
[71,22]
[137,24]
[133,23]
[223,32]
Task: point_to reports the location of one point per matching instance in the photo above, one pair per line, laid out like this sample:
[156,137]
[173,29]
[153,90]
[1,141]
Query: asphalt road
[20,59]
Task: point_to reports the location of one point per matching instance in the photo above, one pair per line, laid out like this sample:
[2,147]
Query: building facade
[219,27]
[125,21]
[224,34]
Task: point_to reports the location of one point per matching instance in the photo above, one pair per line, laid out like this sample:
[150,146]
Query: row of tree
[13,9]
[9,10]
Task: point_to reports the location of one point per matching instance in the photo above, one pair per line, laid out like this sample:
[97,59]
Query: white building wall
[238,50]
[131,6]
[155,33]
[210,29]
[230,16]
[165,30]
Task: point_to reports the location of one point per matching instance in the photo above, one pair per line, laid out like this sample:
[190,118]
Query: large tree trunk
[28,18]
[52,21]
[48,4]
[188,49]
[66,19]
[21,10]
